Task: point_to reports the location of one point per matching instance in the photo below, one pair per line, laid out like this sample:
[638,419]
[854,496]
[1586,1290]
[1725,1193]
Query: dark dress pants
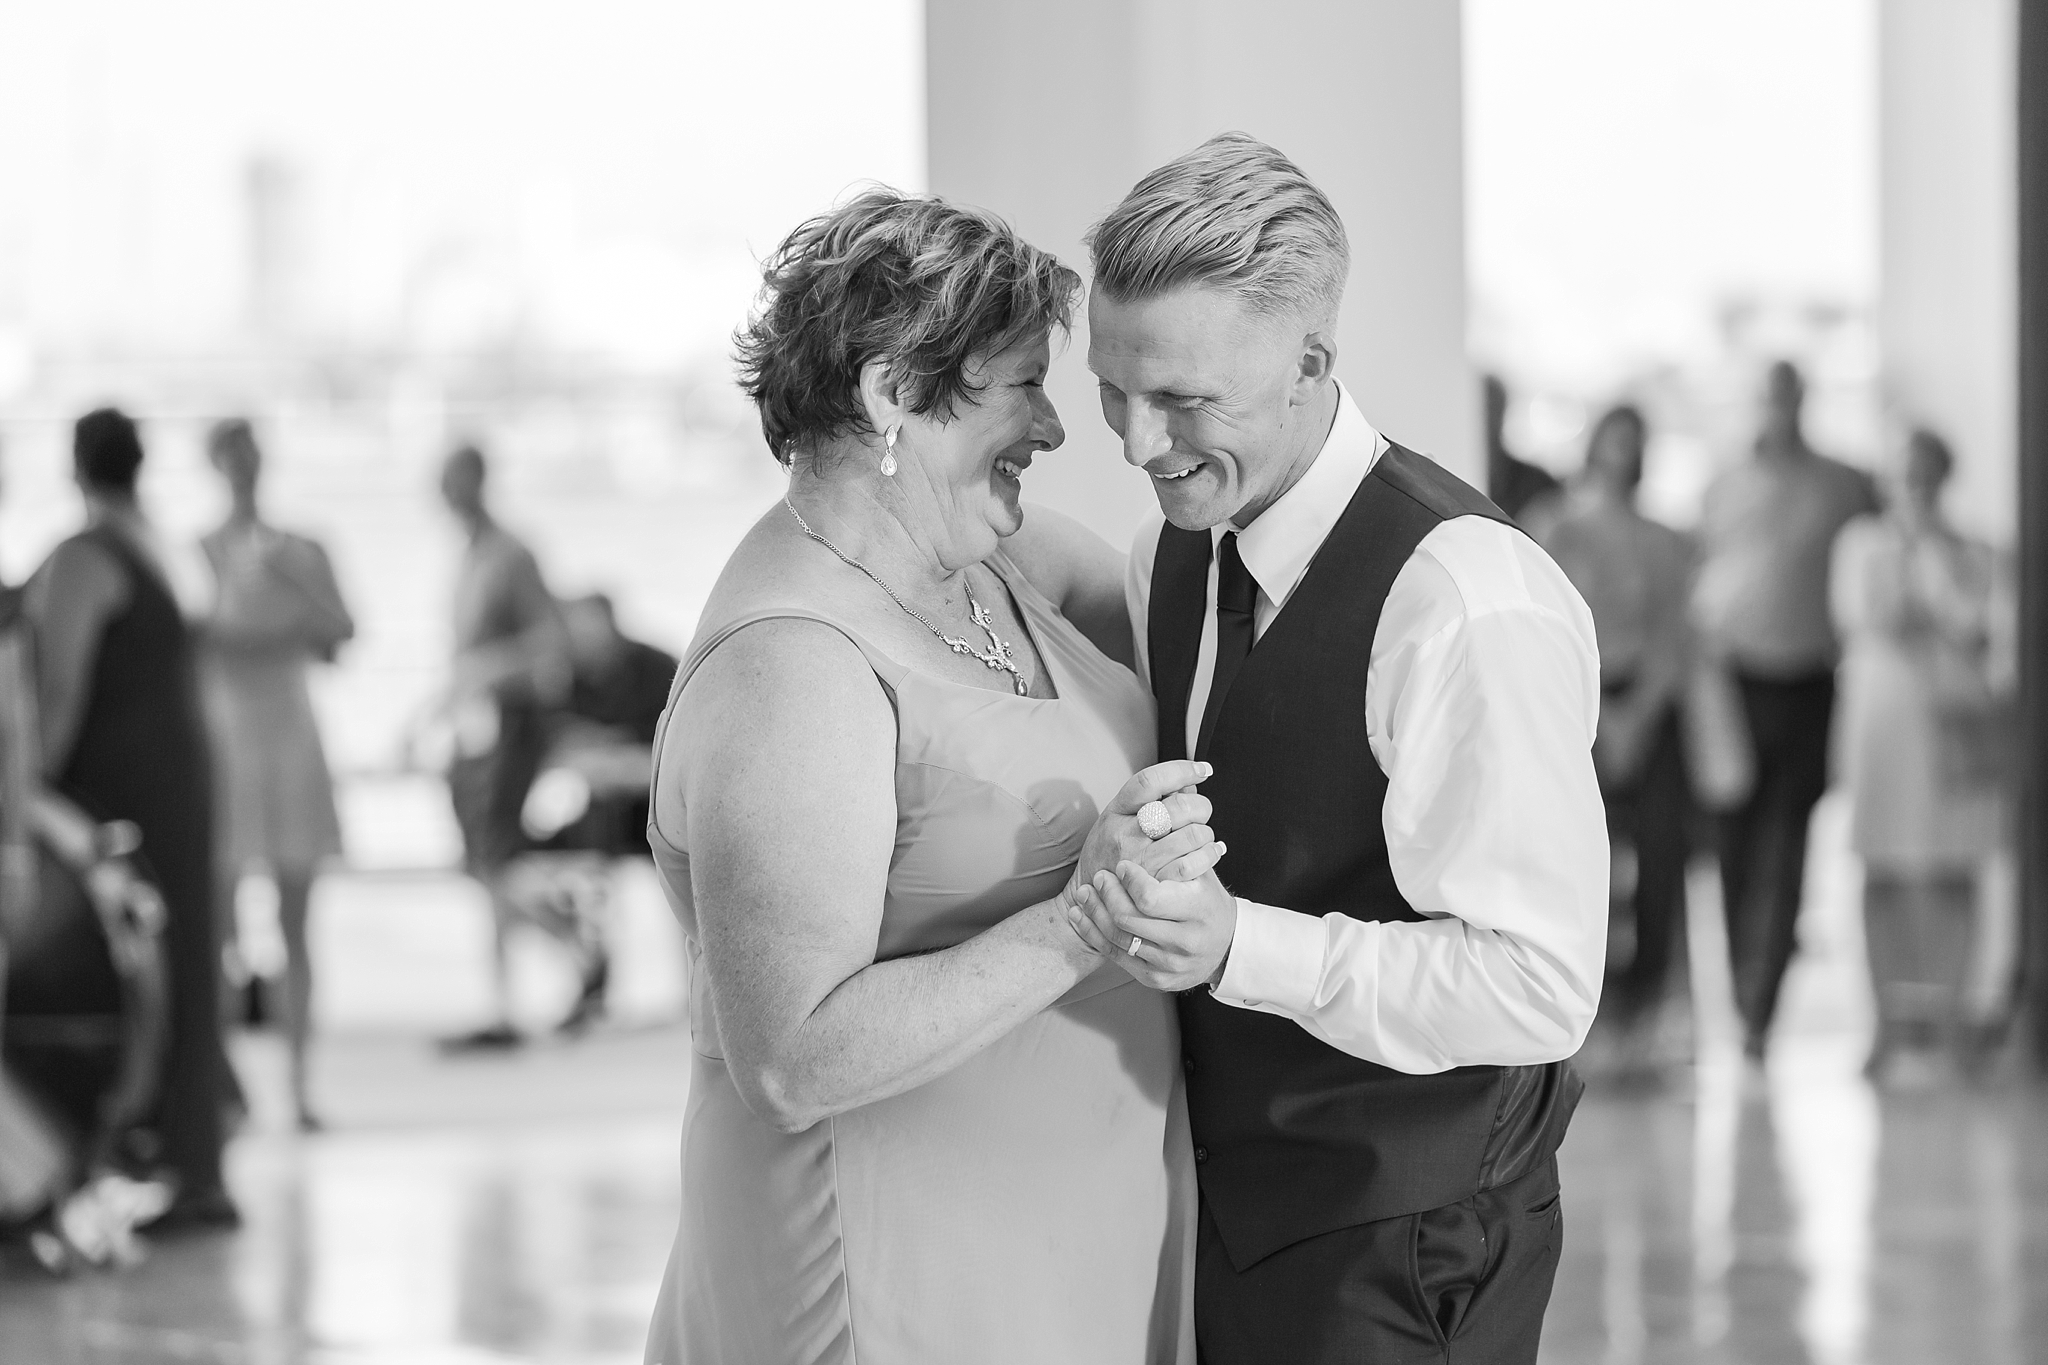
[1650,812]
[1763,841]
[1465,1284]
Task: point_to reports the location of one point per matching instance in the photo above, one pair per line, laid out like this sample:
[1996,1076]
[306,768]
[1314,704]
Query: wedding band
[1136,943]
[1154,820]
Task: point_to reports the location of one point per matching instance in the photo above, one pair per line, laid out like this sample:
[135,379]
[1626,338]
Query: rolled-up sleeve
[1481,708]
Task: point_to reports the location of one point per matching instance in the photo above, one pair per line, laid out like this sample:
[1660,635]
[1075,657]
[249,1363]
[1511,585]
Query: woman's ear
[878,396]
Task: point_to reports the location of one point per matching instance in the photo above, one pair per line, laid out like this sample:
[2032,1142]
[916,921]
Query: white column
[1048,112]
[1949,264]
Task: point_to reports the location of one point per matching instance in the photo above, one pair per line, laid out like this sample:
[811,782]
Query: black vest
[1293,1137]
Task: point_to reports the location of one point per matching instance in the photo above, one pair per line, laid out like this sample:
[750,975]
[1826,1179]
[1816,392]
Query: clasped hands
[1155,905]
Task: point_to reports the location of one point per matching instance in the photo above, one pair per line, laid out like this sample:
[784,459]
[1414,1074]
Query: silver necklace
[997,656]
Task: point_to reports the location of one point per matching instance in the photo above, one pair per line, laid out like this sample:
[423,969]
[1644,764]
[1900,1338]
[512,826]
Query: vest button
[1201,1154]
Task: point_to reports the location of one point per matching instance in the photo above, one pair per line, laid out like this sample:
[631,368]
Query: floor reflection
[1793,1213]
[521,1208]
[538,1238]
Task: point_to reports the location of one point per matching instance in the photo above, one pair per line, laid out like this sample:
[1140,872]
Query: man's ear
[1315,366]
[878,395]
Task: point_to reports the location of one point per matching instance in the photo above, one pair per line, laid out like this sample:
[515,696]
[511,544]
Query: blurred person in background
[924,1115]
[82,983]
[124,736]
[1761,604]
[1635,575]
[590,799]
[511,666]
[606,729]
[1924,743]
[276,610]
[1513,484]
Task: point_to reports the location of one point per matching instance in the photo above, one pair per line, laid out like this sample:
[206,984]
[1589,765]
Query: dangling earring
[889,452]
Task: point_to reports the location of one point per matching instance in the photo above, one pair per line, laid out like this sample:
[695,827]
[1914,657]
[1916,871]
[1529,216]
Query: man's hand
[1185,927]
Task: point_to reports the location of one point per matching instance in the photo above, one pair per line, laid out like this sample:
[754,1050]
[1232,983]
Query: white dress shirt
[1480,705]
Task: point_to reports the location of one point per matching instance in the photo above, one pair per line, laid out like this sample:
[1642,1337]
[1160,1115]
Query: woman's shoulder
[768,602]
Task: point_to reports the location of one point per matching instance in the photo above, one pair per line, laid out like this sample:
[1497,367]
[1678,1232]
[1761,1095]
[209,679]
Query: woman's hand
[1171,936]
[1185,852]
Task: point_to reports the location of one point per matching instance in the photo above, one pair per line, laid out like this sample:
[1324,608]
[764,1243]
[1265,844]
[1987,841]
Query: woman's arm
[785,758]
[1081,573]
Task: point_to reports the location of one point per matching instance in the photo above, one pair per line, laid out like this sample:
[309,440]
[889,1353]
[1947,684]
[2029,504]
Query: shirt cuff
[1276,960]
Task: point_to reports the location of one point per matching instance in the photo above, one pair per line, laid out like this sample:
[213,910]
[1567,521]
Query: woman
[123,737]
[276,609]
[1635,575]
[1922,742]
[927,1123]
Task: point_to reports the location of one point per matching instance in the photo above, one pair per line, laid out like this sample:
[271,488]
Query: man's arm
[532,664]
[1483,717]
[1496,831]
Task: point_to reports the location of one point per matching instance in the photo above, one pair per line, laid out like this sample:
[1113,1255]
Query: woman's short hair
[106,450]
[911,280]
[1620,415]
[1233,214]
[1930,445]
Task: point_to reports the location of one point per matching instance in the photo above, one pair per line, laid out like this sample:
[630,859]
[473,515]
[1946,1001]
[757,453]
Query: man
[1635,575]
[1767,532]
[590,800]
[1398,692]
[1515,485]
[511,663]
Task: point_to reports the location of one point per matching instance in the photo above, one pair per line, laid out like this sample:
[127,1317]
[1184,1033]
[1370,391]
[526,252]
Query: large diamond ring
[1153,819]
[1136,943]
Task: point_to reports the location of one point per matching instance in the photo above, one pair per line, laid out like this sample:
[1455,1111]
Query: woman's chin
[1006,513]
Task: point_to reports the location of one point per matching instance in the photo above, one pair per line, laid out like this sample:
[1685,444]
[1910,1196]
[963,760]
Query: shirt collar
[1278,546]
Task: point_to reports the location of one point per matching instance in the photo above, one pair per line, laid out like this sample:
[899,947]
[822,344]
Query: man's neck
[1309,437]
[104,505]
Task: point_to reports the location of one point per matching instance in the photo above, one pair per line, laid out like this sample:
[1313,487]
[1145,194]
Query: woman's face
[965,474]
[239,464]
[1616,455]
[1919,475]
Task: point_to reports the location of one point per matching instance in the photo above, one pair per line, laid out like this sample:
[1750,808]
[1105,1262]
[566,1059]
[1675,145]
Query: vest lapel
[1173,629]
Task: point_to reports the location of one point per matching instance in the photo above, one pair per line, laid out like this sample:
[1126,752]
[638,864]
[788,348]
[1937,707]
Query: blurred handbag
[1720,754]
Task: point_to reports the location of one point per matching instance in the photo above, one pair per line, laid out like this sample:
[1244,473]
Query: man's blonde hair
[1233,214]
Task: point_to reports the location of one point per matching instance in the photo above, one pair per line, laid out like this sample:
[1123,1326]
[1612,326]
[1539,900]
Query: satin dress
[1035,1204]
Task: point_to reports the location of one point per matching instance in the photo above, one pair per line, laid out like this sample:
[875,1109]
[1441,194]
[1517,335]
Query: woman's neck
[876,525]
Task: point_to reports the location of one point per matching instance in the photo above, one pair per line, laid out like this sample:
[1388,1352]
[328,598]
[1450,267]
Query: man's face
[1204,394]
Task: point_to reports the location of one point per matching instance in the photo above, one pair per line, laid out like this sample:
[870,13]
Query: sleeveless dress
[142,755]
[276,799]
[1033,1205]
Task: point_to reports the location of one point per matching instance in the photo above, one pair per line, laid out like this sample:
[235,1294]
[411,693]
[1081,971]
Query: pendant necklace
[997,656]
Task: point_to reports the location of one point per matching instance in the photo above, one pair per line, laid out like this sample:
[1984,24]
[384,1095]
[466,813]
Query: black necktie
[1237,597]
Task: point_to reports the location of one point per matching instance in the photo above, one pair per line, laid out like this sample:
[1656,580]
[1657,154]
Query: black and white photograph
[1102,682]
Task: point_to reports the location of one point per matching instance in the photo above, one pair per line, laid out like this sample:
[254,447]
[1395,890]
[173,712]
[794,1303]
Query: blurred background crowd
[368,445]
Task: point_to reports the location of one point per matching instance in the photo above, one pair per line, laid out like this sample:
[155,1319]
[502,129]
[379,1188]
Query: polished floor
[519,1208]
